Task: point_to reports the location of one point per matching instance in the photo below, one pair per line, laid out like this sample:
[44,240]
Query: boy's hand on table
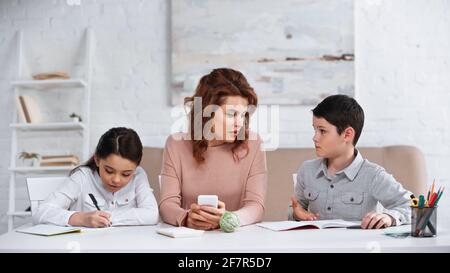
[300,214]
[374,220]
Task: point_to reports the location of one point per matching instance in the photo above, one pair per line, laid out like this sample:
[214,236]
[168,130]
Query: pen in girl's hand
[94,201]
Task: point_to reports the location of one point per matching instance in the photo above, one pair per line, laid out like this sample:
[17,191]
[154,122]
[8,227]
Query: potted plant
[29,159]
[76,118]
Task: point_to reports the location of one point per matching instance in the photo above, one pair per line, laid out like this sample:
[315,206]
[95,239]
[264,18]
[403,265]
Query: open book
[180,232]
[319,224]
[48,230]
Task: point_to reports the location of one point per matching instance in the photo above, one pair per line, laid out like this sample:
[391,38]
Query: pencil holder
[423,222]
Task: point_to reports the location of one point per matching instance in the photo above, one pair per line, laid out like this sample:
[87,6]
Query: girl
[109,190]
[218,156]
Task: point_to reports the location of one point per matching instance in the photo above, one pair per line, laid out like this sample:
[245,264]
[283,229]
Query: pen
[421,201]
[439,196]
[354,227]
[94,201]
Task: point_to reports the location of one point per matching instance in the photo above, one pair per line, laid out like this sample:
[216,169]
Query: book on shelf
[28,109]
[59,160]
[59,157]
[58,164]
[21,118]
[51,75]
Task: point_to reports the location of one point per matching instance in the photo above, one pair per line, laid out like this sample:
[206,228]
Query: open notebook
[48,230]
[319,224]
[180,232]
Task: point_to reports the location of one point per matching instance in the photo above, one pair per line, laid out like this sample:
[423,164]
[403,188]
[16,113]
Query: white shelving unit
[25,170]
[51,126]
[49,84]
[37,86]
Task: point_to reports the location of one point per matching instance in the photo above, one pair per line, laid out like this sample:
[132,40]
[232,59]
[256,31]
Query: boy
[341,184]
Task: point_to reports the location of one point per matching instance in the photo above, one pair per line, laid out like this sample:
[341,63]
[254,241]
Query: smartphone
[208,200]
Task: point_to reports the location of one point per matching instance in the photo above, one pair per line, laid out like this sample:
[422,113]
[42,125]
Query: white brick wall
[402,72]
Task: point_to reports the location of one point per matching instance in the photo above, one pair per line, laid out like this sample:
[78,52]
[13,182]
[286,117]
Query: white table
[246,239]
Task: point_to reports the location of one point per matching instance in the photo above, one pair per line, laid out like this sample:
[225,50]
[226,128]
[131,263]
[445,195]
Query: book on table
[318,224]
[180,232]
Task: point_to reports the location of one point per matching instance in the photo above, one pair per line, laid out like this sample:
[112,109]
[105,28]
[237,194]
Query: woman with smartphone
[218,156]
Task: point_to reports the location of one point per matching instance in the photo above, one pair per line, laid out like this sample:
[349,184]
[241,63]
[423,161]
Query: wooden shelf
[51,126]
[41,169]
[49,84]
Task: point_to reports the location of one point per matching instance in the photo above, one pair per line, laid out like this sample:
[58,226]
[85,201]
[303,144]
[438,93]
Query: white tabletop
[246,239]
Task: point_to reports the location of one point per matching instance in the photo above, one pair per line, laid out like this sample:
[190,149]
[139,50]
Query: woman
[218,156]
[109,190]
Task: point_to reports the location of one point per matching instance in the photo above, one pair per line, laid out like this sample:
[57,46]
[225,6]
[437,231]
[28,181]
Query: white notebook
[180,232]
[48,230]
[319,224]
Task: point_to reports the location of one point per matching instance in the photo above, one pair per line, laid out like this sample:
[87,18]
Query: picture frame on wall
[292,52]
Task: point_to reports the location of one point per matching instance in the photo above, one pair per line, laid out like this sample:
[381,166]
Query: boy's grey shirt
[352,192]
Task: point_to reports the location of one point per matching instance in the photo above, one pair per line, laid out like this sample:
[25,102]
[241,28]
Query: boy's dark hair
[342,111]
[120,141]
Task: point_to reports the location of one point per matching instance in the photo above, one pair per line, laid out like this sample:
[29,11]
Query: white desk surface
[246,239]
